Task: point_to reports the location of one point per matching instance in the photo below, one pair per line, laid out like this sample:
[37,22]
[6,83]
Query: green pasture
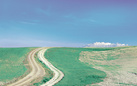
[76,73]
[11,62]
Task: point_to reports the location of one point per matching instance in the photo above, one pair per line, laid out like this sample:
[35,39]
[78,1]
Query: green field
[81,66]
[76,72]
[12,63]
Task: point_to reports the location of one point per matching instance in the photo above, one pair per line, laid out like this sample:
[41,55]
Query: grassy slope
[119,64]
[11,62]
[76,72]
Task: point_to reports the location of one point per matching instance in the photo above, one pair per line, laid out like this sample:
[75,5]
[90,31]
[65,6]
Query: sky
[67,23]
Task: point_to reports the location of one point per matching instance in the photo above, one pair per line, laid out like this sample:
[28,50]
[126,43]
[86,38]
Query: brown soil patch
[120,65]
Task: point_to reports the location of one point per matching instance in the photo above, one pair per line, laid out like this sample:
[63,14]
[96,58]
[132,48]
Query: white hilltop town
[103,44]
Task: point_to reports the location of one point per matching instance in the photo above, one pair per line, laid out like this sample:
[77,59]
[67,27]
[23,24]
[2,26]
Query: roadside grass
[45,79]
[49,73]
[76,73]
[12,63]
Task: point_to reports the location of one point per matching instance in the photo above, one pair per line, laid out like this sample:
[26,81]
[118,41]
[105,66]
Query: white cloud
[103,44]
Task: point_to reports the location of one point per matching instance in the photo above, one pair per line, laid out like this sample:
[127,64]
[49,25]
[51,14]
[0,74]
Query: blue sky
[70,23]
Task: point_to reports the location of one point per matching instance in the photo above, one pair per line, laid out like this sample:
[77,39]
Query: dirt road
[58,75]
[36,72]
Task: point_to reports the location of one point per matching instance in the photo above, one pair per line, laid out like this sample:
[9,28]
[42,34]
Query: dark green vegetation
[76,72]
[45,79]
[48,76]
[12,62]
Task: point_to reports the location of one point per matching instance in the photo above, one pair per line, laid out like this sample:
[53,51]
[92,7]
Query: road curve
[58,75]
[37,71]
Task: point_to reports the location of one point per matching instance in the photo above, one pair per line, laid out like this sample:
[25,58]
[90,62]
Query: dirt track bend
[36,72]
[58,75]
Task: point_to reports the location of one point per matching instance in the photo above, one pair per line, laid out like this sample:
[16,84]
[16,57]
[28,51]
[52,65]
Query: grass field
[76,72]
[120,65]
[12,63]
[81,66]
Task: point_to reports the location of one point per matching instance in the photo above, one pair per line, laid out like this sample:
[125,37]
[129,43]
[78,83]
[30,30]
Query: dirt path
[58,75]
[36,72]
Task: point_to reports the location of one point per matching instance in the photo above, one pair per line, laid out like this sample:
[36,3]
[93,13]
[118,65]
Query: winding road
[38,71]
[58,75]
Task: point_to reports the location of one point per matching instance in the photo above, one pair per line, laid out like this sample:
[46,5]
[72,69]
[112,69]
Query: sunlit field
[76,73]
[12,63]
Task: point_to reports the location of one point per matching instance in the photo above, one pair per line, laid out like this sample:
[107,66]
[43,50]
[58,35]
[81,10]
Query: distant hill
[103,44]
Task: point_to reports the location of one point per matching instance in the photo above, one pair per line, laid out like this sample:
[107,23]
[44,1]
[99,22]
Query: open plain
[76,67]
